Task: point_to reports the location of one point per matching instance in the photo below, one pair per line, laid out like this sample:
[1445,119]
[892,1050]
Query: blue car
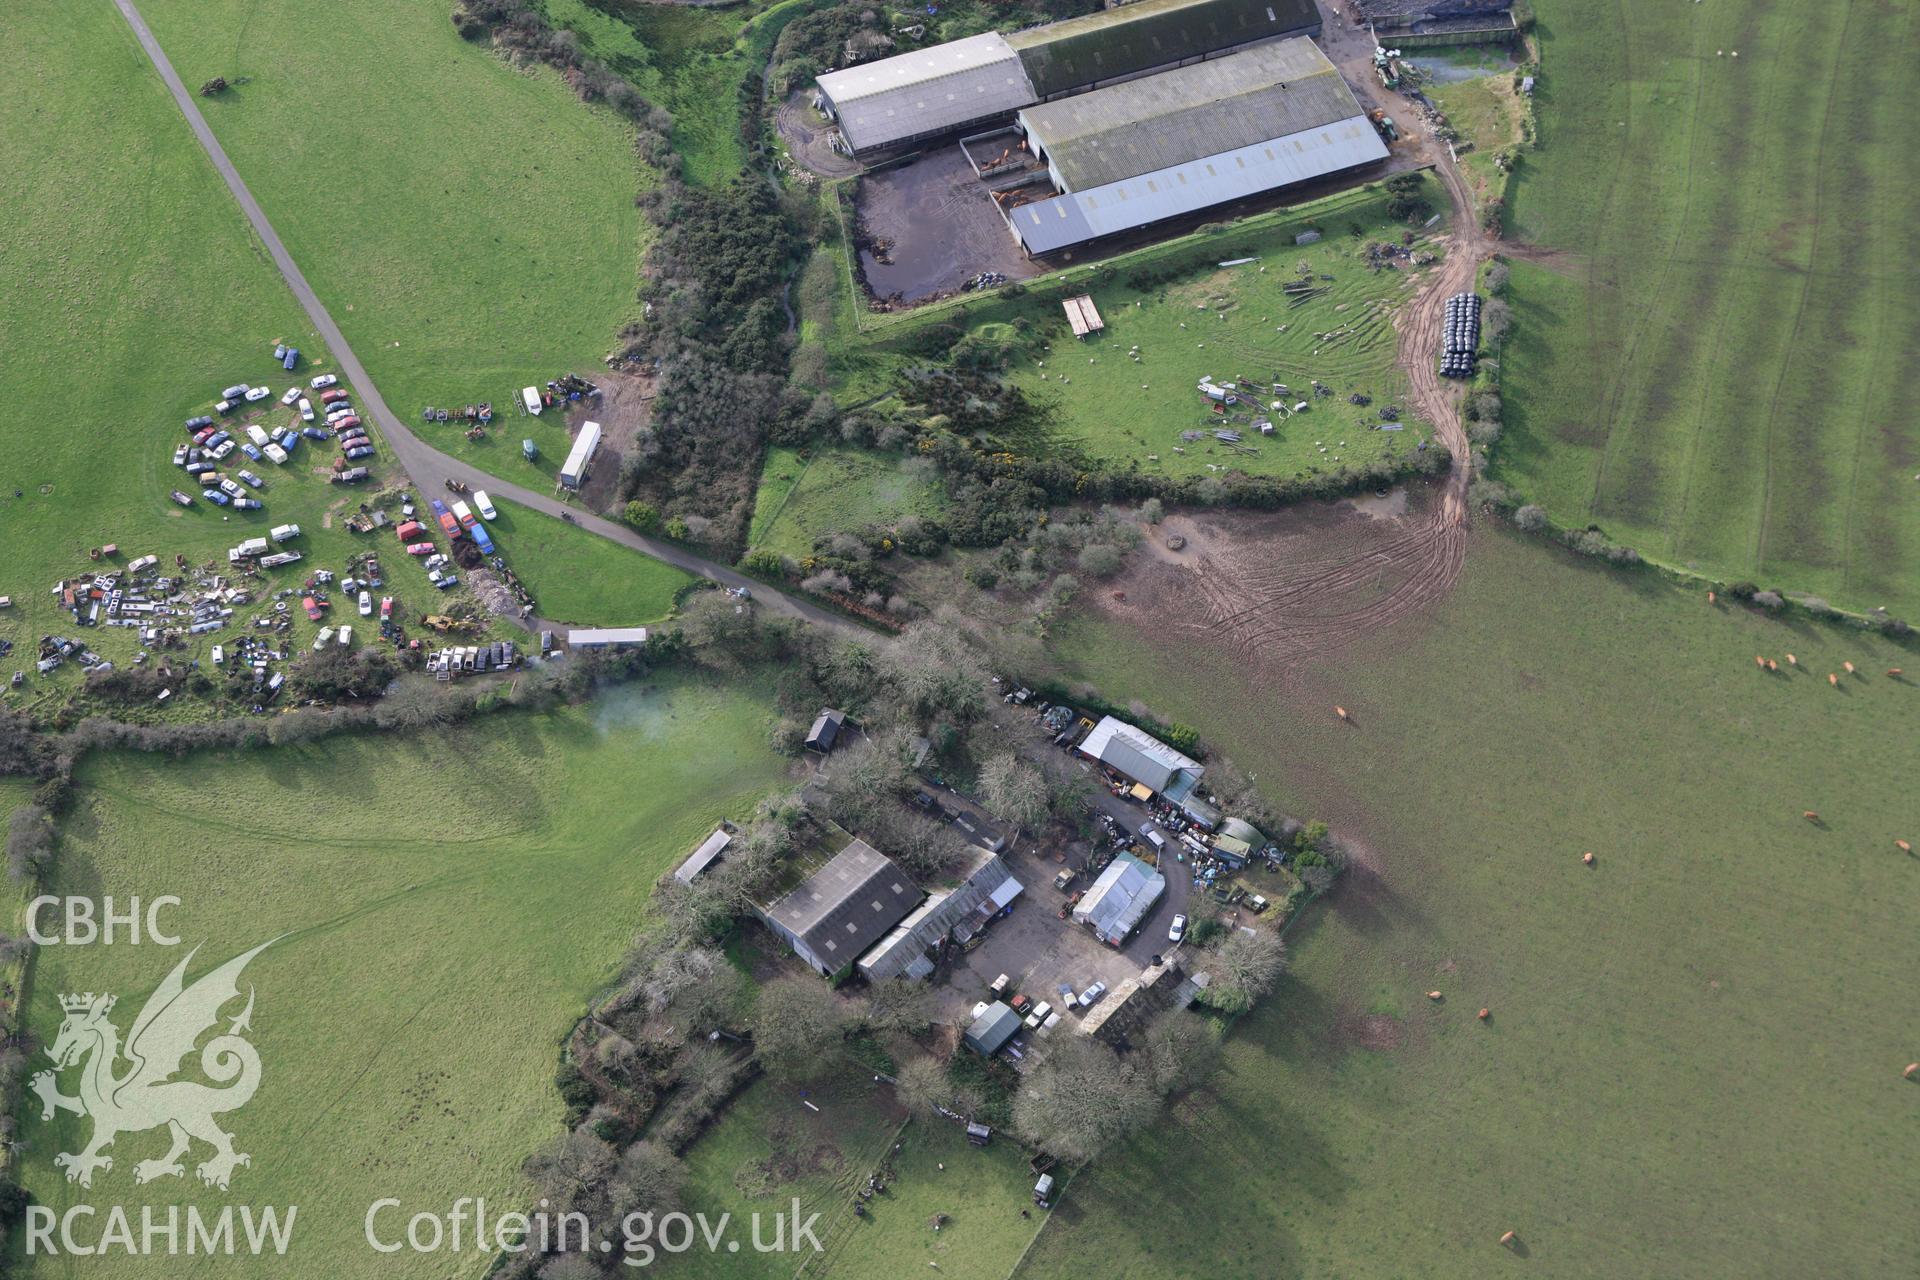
[216,497]
[315,433]
[292,359]
[218,438]
[252,452]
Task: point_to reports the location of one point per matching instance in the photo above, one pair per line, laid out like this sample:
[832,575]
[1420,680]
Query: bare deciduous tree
[797,1025]
[1244,968]
[1015,789]
[1079,1099]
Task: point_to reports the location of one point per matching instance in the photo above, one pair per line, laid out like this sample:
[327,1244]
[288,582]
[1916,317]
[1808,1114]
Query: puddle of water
[1441,71]
[1375,506]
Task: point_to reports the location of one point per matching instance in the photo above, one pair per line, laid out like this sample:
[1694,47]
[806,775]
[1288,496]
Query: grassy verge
[582,578]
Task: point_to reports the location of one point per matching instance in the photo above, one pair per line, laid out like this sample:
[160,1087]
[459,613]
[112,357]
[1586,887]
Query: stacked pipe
[1462,336]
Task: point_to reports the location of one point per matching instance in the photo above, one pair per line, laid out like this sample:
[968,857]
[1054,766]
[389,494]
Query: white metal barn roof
[928,90]
[1120,899]
[1046,226]
[1135,752]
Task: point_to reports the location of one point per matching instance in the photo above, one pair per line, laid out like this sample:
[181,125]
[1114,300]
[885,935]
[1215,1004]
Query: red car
[313,608]
[347,424]
[332,397]
[419,548]
[411,530]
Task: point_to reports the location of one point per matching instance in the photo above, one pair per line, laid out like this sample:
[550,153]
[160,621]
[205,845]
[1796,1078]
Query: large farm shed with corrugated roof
[1148,150]
[949,88]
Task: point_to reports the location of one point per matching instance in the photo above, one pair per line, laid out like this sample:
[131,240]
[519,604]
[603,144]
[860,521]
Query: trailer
[573,473]
[530,400]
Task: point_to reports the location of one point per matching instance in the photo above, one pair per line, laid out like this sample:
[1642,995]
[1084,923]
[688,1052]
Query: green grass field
[690,60]
[470,227]
[449,904]
[581,577]
[1694,1061]
[1720,371]
[1227,322]
[1192,318]
[833,489]
[127,315]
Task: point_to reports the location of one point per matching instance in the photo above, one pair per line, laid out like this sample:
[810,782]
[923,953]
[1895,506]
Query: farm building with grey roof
[1148,150]
[983,79]
[840,906]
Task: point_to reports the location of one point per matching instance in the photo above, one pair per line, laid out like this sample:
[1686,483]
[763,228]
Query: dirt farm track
[1274,611]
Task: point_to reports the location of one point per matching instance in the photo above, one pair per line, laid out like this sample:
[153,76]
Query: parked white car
[366,604]
[293,394]
[306,409]
[484,505]
[322,382]
[1177,930]
[346,636]
[256,394]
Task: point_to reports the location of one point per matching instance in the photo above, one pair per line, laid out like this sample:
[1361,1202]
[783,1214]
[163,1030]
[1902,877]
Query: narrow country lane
[429,468]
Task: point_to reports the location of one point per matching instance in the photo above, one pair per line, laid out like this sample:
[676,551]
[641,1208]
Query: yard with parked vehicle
[138,310]
[500,247]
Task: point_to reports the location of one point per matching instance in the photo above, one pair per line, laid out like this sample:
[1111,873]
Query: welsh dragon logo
[145,1094]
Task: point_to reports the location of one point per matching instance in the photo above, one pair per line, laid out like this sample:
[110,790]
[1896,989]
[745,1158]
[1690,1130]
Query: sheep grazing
[1509,1238]
[1772,666]
[1710,597]
[1833,679]
[1903,846]
[1433,995]
[1342,713]
[1792,661]
[1895,672]
[1759,661]
[1810,815]
[1912,1071]
[1485,1014]
[1587,857]
[1849,666]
